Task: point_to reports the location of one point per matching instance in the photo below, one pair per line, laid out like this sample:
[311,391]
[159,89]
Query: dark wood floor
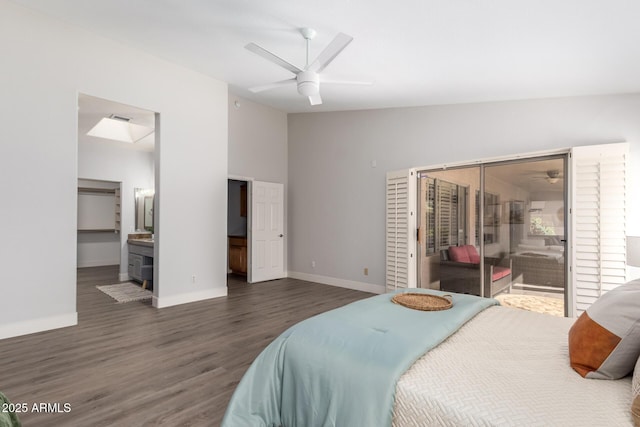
[132,365]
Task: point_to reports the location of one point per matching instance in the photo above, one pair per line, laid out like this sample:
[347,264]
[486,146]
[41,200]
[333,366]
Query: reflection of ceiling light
[144,192]
[119,128]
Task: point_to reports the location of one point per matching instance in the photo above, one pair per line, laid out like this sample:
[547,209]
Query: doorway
[255,230]
[497,230]
[237,229]
[116,156]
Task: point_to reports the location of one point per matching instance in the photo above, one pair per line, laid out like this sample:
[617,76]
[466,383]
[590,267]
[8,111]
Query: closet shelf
[96,190]
[97,230]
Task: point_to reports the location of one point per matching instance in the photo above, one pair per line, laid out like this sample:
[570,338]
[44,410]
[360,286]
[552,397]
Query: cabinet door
[235,258]
[130,267]
[242,268]
[135,266]
[238,257]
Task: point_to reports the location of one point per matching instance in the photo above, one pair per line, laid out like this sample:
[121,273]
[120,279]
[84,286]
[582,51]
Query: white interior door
[267,231]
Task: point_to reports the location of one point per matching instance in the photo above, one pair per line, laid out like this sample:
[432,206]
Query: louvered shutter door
[401,230]
[599,196]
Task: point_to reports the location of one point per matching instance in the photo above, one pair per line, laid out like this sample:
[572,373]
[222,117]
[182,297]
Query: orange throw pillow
[604,343]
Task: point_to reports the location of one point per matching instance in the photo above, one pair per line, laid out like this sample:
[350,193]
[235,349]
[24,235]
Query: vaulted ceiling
[418,52]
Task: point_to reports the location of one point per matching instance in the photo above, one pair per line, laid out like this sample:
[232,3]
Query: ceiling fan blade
[315,99]
[337,80]
[330,52]
[273,85]
[273,58]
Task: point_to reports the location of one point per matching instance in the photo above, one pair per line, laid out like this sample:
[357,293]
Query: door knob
[281,235]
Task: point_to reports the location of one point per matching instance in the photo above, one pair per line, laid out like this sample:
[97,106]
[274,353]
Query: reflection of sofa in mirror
[460,271]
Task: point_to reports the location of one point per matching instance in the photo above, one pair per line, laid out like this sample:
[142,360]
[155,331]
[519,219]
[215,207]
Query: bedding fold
[340,368]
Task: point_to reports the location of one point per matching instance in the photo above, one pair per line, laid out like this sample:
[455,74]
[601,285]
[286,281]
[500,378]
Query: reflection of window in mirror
[546,218]
[148,213]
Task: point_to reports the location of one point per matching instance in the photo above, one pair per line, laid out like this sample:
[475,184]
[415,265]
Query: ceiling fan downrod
[308,34]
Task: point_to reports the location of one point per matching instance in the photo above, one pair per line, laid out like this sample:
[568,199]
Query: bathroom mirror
[144,209]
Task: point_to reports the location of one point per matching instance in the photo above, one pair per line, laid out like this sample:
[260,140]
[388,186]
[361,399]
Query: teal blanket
[340,368]
[8,417]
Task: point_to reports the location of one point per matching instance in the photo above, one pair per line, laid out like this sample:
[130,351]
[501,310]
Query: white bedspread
[507,367]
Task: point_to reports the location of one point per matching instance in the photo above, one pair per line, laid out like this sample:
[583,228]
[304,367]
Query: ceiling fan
[307,79]
[551,176]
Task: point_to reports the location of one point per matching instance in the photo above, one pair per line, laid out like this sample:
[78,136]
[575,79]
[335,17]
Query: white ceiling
[419,52]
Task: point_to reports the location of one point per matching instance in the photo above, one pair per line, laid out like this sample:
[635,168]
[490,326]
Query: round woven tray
[424,302]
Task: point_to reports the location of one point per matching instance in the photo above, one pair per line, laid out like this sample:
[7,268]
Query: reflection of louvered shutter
[401,230]
[444,213]
[447,214]
[598,221]
[430,216]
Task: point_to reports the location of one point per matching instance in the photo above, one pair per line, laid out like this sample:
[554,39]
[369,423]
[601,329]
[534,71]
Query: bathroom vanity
[141,259]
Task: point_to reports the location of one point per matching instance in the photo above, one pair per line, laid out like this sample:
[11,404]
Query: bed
[535,263]
[494,366]
[516,372]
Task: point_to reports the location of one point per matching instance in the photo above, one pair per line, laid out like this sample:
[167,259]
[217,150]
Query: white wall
[258,147]
[46,63]
[98,249]
[257,141]
[110,161]
[336,197]
[97,211]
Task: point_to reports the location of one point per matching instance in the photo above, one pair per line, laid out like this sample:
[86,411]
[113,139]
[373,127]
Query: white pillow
[635,395]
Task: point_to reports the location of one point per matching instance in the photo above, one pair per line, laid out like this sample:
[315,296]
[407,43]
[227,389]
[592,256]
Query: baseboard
[124,277]
[38,325]
[162,302]
[342,283]
[98,263]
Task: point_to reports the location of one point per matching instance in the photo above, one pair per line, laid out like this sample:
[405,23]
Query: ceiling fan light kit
[308,83]
[308,79]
